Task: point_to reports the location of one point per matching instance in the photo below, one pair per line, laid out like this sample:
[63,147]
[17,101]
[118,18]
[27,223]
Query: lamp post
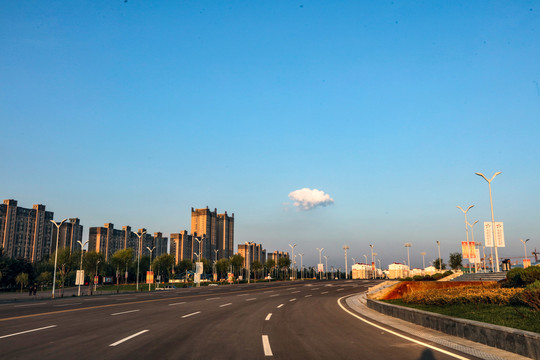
[150,250]
[320,261]
[292,262]
[248,260]
[366,258]
[302,266]
[466,222]
[80,268]
[492,216]
[375,264]
[345,248]
[371,246]
[56,252]
[199,241]
[95,283]
[472,239]
[423,259]
[326,267]
[139,256]
[215,262]
[440,262]
[525,246]
[408,245]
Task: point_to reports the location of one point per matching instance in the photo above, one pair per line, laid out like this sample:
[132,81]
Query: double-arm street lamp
[56,252]
[525,246]
[139,236]
[80,268]
[492,217]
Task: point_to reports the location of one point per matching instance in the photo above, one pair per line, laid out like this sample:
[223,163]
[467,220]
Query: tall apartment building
[217,230]
[70,233]
[160,245]
[276,255]
[25,233]
[107,240]
[182,245]
[252,252]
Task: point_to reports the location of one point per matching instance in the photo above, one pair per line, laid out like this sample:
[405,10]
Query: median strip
[27,331]
[127,338]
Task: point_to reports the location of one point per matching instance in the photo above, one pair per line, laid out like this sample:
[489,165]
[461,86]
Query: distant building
[276,255]
[108,240]
[182,246]
[398,271]
[70,233]
[216,231]
[362,271]
[252,252]
[160,244]
[25,233]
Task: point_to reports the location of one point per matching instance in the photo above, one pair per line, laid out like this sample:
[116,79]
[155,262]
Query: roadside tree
[22,280]
[455,261]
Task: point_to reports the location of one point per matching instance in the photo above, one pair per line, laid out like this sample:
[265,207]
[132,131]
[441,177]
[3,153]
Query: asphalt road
[292,320]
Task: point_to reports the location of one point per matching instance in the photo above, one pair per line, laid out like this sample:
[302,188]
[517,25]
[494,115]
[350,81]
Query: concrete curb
[521,342]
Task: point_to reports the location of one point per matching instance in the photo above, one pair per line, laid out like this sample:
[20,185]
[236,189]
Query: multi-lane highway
[292,320]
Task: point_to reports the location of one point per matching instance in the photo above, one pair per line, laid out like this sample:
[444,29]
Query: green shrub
[418,278]
[530,274]
[447,273]
[531,295]
[514,277]
[408,278]
[437,276]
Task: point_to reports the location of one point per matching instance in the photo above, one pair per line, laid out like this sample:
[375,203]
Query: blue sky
[134,112]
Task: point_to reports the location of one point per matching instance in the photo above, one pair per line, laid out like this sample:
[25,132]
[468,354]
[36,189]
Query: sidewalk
[358,304]
[7,297]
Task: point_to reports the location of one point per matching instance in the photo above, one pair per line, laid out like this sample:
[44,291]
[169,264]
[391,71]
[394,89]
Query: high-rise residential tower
[215,230]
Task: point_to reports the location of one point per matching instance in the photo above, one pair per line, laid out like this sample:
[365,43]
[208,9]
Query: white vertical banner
[499,234]
[488,234]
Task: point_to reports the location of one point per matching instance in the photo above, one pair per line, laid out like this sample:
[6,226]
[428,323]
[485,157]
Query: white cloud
[307,199]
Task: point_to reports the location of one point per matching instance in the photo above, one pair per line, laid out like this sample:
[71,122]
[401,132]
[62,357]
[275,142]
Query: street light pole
[302,266]
[472,239]
[139,256]
[492,216]
[345,248]
[95,283]
[525,247]
[320,261]
[365,257]
[371,246]
[440,261]
[151,250]
[80,268]
[326,267]
[292,262]
[423,259]
[408,245]
[466,222]
[56,252]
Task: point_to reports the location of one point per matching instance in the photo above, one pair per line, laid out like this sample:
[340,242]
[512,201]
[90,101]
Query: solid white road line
[27,331]
[266,346]
[179,303]
[127,338]
[307,296]
[293,299]
[397,334]
[124,312]
[251,299]
[268,317]
[188,315]
[280,305]
[324,292]
[30,304]
[225,305]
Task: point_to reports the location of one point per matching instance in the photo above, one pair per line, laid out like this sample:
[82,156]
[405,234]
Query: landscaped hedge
[471,294]
[519,277]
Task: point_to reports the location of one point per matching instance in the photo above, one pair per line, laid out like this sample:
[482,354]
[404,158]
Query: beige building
[108,240]
[362,271]
[397,271]
[182,246]
[276,255]
[255,252]
[25,233]
[215,230]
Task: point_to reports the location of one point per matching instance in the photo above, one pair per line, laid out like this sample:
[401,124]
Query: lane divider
[27,331]
[127,338]
[225,305]
[124,312]
[188,315]
[280,305]
[266,346]
[268,317]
